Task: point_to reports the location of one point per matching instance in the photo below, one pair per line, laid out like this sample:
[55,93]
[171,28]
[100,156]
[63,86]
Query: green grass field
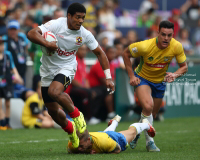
[177,139]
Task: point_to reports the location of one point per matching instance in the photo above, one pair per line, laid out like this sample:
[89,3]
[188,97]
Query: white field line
[33,141]
[53,140]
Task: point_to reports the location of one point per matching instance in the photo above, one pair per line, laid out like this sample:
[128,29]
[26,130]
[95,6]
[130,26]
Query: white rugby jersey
[68,43]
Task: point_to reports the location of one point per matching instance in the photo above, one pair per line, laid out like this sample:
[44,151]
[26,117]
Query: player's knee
[54,93]
[149,106]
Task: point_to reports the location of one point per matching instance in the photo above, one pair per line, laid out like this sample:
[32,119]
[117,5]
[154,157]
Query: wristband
[107,74]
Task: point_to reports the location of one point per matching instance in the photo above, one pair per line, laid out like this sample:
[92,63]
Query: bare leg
[7,102]
[56,92]
[1,110]
[57,114]
[144,96]
[157,104]
[47,123]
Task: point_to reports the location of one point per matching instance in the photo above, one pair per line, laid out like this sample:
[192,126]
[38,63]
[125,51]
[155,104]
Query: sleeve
[137,49]
[52,26]
[12,64]
[179,54]
[34,108]
[91,42]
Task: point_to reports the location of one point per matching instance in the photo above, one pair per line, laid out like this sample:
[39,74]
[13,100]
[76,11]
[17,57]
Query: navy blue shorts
[119,138]
[158,89]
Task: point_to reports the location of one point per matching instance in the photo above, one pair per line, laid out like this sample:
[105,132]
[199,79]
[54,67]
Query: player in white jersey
[57,71]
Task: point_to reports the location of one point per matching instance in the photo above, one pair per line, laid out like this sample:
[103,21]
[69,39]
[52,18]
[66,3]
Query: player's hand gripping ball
[50,37]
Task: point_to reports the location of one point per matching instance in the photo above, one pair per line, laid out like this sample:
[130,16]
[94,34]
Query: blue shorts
[119,138]
[158,89]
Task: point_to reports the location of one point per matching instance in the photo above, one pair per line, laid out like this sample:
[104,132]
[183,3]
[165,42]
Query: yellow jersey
[33,105]
[154,62]
[101,143]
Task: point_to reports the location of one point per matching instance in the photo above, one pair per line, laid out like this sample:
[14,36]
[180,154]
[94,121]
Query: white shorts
[47,76]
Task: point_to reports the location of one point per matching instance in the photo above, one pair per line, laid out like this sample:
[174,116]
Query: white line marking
[34,141]
[53,140]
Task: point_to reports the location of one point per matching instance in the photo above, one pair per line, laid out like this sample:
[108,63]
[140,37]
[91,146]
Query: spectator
[48,8]
[91,14]
[184,40]
[119,51]
[34,113]
[155,25]
[3,8]
[175,19]
[191,8]
[97,82]
[58,13]
[132,36]
[17,44]
[147,5]
[146,13]
[151,33]
[117,10]
[196,38]
[36,11]
[28,24]
[107,18]
[3,29]
[7,66]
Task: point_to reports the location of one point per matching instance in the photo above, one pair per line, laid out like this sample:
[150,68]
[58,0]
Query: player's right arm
[35,36]
[126,56]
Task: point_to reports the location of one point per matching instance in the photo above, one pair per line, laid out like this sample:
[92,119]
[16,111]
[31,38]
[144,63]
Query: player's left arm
[97,50]
[105,66]
[183,68]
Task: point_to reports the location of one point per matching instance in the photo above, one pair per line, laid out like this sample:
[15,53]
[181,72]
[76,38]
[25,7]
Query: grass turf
[177,139]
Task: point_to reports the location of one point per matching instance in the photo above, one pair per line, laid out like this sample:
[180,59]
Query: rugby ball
[49,36]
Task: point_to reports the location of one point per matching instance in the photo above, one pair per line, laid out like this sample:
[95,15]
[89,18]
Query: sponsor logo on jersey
[60,52]
[158,65]
[78,40]
[135,50]
[60,36]
[150,58]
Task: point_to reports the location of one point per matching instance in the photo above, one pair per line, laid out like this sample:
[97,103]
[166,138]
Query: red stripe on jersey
[158,65]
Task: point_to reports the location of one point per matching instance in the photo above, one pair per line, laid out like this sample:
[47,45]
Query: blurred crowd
[88,90]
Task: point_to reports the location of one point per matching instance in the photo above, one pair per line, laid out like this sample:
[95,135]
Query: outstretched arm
[170,77]
[105,66]
[127,55]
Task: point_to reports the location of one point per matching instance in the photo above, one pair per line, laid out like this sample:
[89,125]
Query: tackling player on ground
[57,71]
[151,74]
[110,141]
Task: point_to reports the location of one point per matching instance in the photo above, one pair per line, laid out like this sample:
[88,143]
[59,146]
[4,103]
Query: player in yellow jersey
[110,141]
[34,112]
[151,74]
